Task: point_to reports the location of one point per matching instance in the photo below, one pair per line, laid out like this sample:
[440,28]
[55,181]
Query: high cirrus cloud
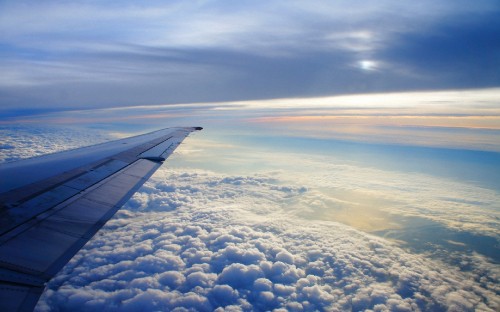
[198,240]
[108,54]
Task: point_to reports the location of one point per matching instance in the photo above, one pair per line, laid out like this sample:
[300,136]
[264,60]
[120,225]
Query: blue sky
[85,54]
[349,161]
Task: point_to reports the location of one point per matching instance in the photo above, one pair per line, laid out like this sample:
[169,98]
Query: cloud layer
[197,240]
[235,227]
[18,142]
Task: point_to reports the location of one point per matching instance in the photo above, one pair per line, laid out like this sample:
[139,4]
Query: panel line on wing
[55,238]
[155,152]
[83,196]
[45,201]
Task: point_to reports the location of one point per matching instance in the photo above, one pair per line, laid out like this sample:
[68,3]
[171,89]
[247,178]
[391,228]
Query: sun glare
[367,65]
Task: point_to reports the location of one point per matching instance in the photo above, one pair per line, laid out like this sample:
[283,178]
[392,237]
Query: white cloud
[202,240]
[262,27]
[24,141]
[225,247]
[331,186]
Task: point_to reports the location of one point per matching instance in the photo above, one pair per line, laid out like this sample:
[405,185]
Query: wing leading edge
[50,206]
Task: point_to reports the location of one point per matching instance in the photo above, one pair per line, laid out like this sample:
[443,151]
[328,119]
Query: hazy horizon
[349,159]
[414,179]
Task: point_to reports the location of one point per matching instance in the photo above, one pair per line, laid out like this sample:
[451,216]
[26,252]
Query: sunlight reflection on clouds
[467,119]
[276,203]
[200,240]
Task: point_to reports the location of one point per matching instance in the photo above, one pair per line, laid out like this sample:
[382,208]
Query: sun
[368,65]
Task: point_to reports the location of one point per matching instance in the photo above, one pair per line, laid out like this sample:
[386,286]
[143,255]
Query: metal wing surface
[50,206]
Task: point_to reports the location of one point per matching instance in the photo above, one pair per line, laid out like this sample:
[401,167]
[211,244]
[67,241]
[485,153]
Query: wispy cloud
[460,119]
[104,53]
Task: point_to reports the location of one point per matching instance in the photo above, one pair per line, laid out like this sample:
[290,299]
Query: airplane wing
[51,205]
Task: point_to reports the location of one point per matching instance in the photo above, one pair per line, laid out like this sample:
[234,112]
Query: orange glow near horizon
[467,119]
[470,122]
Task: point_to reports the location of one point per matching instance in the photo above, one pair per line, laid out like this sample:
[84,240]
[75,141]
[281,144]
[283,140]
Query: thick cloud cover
[267,239]
[19,142]
[198,240]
